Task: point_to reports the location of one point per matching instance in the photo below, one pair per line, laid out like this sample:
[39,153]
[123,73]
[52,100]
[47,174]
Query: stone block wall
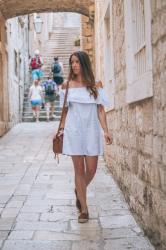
[137,157]
[87,34]
[13,62]
[4,99]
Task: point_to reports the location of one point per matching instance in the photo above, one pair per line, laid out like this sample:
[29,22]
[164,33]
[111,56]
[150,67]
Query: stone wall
[17,65]
[137,157]
[4,112]
[12,8]
[87,38]
[14,73]
[87,35]
[4,99]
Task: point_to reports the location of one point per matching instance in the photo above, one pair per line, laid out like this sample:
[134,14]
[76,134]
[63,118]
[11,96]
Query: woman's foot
[83,217]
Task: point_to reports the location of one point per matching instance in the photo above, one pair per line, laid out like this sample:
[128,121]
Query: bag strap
[63,109]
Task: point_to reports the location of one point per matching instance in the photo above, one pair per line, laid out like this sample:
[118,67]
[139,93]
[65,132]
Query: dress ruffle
[82,95]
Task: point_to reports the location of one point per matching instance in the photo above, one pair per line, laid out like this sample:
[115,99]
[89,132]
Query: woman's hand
[108,138]
[60,132]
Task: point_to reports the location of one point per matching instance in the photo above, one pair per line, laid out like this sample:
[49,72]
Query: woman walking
[81,125]
[36,96]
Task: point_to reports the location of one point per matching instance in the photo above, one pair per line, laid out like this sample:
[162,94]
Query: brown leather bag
[57,144]
[58,140]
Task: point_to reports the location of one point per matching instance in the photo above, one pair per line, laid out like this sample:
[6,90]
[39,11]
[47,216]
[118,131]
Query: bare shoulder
[99,84]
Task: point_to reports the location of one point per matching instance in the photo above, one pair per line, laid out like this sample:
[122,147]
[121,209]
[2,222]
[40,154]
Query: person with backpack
[35,65]
[57,70]
[50,91]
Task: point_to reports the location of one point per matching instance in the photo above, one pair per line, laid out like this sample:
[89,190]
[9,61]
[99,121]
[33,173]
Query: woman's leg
[37,112]
[80,181]
[91,166]
[52,109]
[48,110]
[34,111]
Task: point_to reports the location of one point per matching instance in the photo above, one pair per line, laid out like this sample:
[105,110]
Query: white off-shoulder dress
[82,131]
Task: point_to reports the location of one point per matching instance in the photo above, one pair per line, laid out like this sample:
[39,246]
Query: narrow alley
[124,76]
[37,201]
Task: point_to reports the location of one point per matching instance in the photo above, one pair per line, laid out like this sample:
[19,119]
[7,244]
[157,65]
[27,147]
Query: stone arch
[12,8]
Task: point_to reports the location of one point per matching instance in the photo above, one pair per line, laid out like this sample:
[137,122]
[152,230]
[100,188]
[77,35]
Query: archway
[10,9]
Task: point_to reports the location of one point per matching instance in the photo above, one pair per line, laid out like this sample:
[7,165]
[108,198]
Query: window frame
[140,87]
[109,78]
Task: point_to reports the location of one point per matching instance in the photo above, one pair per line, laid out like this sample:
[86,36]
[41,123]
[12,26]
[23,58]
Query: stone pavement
[37,201]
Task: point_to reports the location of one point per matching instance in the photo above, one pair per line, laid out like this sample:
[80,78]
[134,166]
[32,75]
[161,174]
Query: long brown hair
[86,70]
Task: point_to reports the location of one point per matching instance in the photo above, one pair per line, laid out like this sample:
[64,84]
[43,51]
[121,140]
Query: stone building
[131,61]
[13,69]
[128,39]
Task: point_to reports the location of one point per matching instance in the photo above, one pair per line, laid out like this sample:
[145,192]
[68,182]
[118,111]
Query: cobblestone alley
[37,202]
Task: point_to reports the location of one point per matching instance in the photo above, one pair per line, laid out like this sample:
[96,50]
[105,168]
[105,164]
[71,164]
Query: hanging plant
[77,41]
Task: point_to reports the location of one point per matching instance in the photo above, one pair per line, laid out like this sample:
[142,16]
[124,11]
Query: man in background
[35,65]
[50,92]
[57,70]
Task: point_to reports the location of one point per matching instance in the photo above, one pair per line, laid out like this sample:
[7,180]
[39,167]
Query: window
[138,50]
[108,55]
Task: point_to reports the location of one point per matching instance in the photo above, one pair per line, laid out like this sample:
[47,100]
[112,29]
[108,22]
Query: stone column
[4,97]
[87,33]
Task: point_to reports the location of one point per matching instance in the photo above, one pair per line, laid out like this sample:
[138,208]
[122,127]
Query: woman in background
[36,96]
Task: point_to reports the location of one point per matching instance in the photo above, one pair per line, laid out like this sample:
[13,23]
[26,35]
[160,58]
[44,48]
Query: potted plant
[77,41]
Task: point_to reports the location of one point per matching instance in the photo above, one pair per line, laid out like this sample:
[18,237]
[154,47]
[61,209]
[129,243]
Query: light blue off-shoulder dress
[82,132]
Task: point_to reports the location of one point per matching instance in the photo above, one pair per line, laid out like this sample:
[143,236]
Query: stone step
[27,103]
[61,54]
[41,118]
[57,98]
[61,44]
[66,31]
[27,109]
[28,106]
[42,113]
[64,40]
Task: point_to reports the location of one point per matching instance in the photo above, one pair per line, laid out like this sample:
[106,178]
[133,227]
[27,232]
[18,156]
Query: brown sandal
[78,204]
[83,217]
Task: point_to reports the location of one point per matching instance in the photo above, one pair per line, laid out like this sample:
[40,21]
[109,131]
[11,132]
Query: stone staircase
[61,44]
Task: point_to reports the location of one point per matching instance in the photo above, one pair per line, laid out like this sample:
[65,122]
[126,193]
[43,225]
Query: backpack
[56,68]
[49,87]
[35,63]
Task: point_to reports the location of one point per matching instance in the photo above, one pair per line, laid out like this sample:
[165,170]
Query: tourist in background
[58,71]
[36,97]
[50,92]
[35,65]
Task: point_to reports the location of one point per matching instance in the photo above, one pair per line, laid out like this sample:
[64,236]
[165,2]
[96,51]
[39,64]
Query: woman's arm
[63,122]
[64,85]
[103,122]
[64,118]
